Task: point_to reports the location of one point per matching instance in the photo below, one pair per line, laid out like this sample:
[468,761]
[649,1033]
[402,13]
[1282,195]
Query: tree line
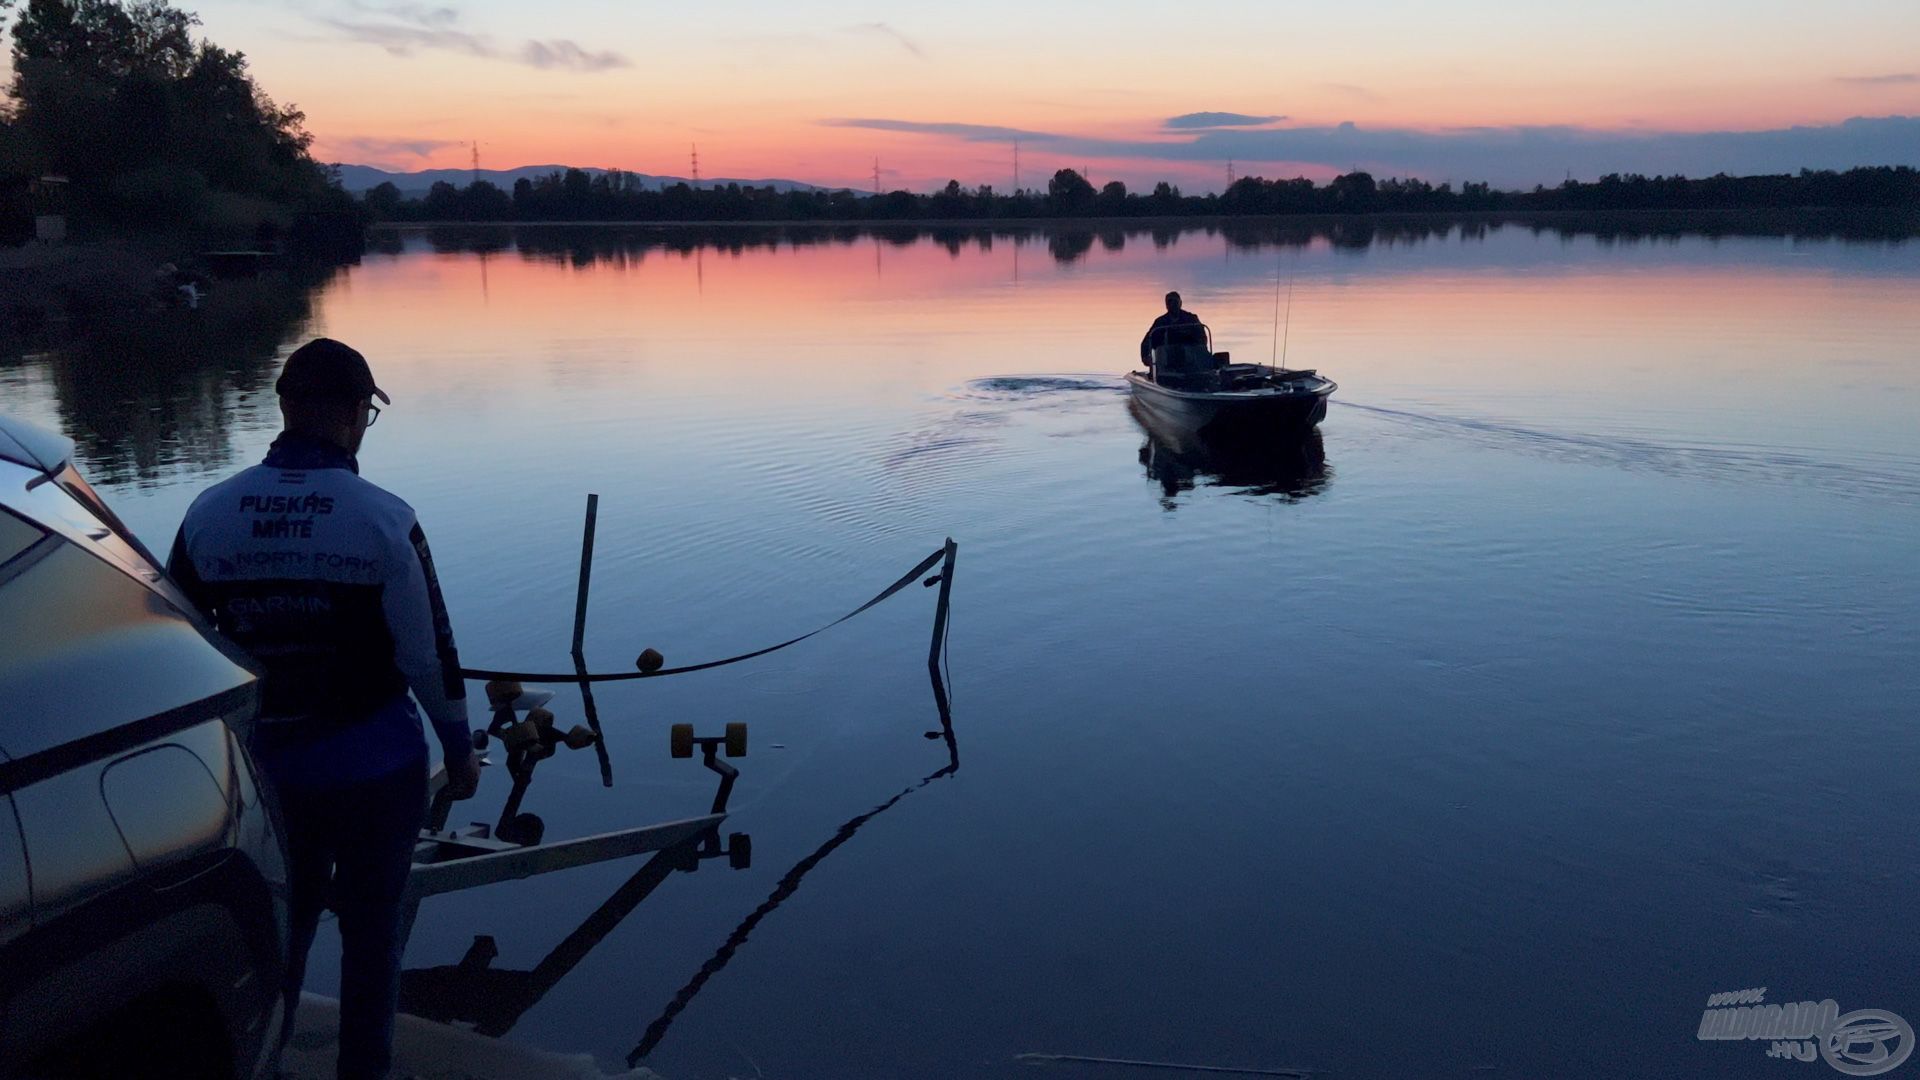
[152,128]
[156,130]
[575,195]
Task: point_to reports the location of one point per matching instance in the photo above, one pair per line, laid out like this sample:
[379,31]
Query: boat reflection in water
[1289,469]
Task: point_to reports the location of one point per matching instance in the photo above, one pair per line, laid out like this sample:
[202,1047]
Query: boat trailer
[451,859]
[454,858]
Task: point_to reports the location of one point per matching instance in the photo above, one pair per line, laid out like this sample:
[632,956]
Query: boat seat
[1179,358]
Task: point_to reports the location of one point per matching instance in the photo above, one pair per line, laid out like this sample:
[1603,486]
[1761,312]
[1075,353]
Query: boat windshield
[1193,333]
[1180,351]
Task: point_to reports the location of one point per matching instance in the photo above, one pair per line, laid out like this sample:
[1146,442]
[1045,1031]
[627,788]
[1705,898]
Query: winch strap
[620,676]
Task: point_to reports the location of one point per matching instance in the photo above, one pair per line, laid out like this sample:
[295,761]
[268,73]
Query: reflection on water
[1288,470]
[1866,478]
[585,245]
[147,394]
[1516,689]
[142,392]
[789,882]
[492,1000]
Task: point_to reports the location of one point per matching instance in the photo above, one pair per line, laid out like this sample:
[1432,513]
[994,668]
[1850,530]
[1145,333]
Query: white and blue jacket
[325,579]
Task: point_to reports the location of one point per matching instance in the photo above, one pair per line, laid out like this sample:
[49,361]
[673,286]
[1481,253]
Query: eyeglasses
[373,414]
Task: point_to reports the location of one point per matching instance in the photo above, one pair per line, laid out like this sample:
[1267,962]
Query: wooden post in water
[580,637]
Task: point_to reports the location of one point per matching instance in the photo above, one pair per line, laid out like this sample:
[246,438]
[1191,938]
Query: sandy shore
[425,1050]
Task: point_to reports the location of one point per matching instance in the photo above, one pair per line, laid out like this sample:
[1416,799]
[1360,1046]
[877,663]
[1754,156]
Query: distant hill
[359,178]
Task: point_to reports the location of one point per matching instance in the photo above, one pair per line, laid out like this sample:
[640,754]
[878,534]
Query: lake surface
[1568,680]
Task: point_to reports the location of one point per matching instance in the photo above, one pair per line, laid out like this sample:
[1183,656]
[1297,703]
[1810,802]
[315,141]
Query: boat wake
[1899,483]
[1004,387]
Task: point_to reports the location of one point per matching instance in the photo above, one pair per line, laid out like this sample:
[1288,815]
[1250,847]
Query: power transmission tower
[876,176]
[696,164]
[1229,172]
[1016,166]
[476,161]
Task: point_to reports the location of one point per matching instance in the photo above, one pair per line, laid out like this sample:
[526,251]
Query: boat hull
[1231,416]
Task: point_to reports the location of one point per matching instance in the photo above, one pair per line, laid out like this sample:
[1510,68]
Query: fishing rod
[1279,354]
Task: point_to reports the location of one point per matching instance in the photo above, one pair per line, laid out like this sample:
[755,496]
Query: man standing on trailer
[326,581]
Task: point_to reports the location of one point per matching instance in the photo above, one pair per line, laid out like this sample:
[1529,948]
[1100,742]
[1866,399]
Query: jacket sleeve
[423,645]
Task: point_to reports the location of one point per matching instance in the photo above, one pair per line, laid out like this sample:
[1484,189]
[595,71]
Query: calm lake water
[1569,680]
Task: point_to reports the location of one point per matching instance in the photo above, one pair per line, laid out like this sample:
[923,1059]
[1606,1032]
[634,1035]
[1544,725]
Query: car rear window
[63,511]
[76,485]
[16,536]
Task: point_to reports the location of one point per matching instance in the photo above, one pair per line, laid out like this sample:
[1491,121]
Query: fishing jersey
[326,581]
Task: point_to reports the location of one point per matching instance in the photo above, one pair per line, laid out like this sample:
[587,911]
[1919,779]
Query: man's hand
[463,775]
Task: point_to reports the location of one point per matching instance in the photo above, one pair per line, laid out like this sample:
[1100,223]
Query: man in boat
[326,581]
[1161,332]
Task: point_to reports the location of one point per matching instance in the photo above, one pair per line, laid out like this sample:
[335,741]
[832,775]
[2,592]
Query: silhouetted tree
[1069,194]
[443,202]
[151,127]
[950,201]
[1353,192]
[483,201]
[383,201]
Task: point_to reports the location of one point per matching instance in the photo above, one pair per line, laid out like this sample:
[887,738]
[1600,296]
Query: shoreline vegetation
[616,196]
[145,148]
[1892,220]
[158,148]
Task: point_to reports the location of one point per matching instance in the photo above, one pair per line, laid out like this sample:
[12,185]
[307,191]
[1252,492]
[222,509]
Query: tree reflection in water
[147,393]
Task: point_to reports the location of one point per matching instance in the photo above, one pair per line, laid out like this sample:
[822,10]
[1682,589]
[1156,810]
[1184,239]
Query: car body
[142,878]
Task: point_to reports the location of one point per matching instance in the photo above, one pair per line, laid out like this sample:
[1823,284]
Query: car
[143,881]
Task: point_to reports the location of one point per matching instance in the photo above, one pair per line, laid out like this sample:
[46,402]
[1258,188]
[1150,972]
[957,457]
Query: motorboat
[1191,388]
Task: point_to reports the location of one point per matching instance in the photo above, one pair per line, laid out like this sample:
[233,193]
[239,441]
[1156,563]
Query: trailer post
[580,639]
[940,611]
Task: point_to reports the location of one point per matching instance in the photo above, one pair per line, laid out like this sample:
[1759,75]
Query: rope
[583,676]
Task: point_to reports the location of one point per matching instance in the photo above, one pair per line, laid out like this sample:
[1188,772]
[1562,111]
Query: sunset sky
[1516,93]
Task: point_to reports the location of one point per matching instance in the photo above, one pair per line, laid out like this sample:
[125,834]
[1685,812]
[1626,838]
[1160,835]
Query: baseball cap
[324,367]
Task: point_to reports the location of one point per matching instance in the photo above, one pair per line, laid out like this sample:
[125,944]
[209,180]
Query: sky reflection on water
[1566,681]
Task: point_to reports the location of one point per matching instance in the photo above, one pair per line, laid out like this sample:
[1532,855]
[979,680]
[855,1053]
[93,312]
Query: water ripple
[1900,484]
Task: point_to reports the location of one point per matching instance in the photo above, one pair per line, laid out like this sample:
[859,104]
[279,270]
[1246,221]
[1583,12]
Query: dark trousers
[350,847]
